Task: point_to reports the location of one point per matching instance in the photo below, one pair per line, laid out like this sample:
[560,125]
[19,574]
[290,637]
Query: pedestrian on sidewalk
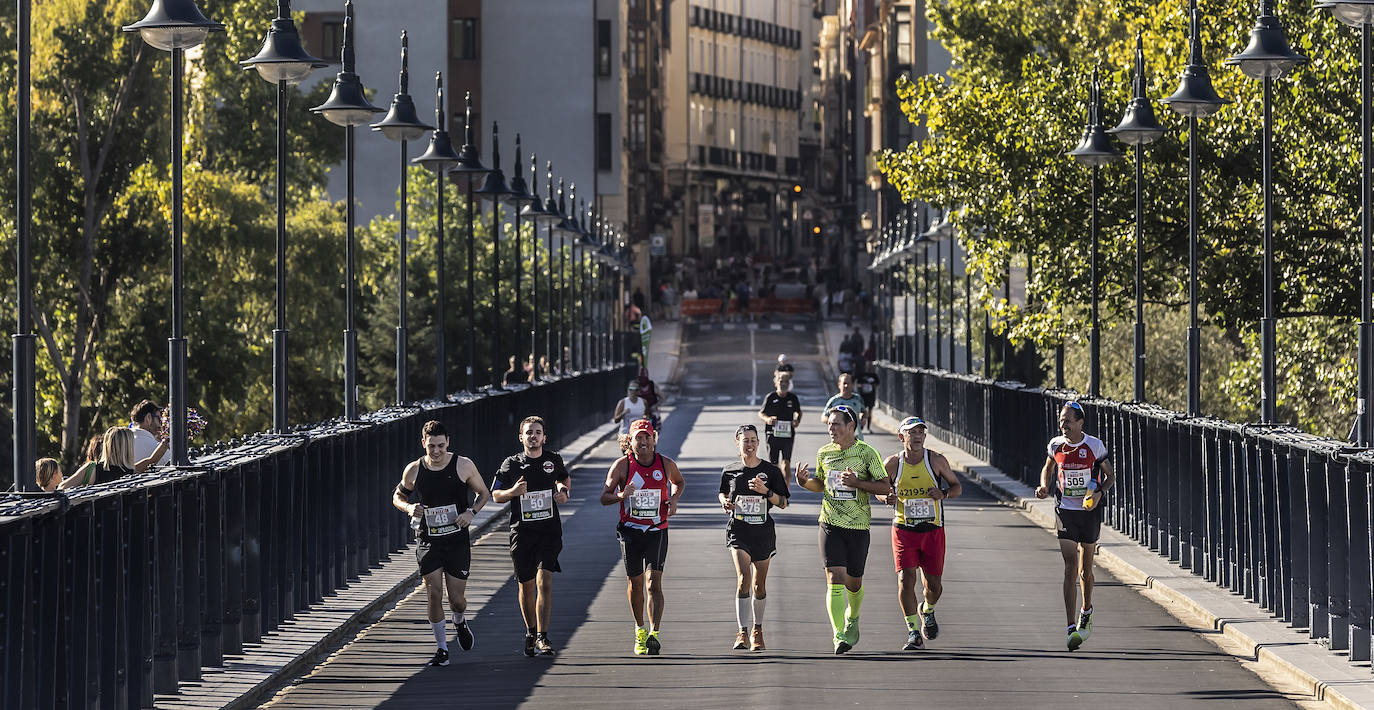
[1084,475]
[449,492]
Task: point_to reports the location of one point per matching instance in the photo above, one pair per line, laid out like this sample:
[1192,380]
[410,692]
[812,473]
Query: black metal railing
[1271,513]
[122,590]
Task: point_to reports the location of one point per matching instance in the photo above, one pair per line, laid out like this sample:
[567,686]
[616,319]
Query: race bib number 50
[536,505]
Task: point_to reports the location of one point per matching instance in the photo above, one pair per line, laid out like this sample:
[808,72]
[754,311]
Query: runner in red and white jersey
[646,485]
[1083,476]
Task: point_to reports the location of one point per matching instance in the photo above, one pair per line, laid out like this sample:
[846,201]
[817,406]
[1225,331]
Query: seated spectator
[48,474]
[85,473]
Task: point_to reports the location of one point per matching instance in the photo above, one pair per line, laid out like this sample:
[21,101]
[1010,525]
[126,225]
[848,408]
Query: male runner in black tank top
[443,485]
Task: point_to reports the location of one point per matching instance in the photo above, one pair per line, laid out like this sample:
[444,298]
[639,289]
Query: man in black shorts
[444,484]
[749,489]
[646,485]
[1084,476]
[866,382]
[781,414]
[535,482]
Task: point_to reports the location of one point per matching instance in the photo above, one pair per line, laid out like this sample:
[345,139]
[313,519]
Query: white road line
[754,366]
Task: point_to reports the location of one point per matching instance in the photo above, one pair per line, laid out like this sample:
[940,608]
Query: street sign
[658,244]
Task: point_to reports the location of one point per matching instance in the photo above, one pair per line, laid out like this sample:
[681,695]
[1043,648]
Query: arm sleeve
[560,471]
[1049,448]
[778,483]
[1099,449]
[796,403]
[502,474]
[876,470]
[725,484]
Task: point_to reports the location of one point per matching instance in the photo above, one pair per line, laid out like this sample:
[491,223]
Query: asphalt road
[1001,642]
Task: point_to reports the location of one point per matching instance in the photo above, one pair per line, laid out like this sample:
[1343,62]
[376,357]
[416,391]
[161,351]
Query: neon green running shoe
[641,642]
[850,633]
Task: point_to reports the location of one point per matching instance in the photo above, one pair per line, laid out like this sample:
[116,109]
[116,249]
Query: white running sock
[758,610]
[743,613]
[440,635]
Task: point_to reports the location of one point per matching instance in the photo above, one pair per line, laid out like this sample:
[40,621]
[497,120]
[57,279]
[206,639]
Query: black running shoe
[440,658]
[914,642]
[542,645]
[842,648]
[465,637]
[652,643]
[529,645]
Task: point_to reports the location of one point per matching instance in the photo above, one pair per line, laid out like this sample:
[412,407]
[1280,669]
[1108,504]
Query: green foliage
[1000,125]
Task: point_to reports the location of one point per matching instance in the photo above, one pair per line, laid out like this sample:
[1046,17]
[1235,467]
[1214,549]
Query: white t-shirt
[633,410]
[144,446]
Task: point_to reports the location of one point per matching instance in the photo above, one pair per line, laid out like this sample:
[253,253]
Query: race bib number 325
[646,504]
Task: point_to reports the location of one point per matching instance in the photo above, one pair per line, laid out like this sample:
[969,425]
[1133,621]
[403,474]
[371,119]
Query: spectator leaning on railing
[147,422]
[47,474]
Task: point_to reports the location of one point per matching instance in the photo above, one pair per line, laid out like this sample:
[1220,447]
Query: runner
[923,482]
[630,408]
[848,471]
[781,415]
[535,482]
[444,484]
[647,486]
[749,489]
[847,398]
[867,383]
[1084,477]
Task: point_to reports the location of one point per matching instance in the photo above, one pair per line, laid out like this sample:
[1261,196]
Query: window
[603,47]
[463,38]
[903,31]
[331,39]
[603,142]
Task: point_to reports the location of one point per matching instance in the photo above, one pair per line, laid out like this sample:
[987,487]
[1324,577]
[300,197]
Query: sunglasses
[848,412]
[747,427]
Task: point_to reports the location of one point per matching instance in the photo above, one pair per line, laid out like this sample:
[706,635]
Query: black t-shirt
[867,384]
[540,473]
[784,407]
[734,483]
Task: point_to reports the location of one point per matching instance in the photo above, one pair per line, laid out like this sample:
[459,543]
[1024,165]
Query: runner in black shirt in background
[535,482]
[866,382]
[781,414]
[749,489]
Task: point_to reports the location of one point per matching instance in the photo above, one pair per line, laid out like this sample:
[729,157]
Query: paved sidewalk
[1275,651]
[248,679]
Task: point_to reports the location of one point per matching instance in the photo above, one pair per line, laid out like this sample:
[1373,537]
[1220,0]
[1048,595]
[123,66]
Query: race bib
[1075,483]
[918,510]
[750,509]
[646,503]
[442,520]
[838,490]
[536,505]
[782,430]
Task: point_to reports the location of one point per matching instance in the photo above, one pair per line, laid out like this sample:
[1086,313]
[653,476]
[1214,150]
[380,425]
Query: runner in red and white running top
[646,485]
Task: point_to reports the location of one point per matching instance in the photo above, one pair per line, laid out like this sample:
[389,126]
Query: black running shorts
[642,549]
[452,553]
[532,551]
[780,448]
[760,541]
[1079,525]
[843,547]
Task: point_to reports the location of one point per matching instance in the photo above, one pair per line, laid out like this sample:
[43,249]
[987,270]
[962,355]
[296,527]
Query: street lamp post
[1094,150]
[403,125]
[440,157]
[1195,98]
[520,198]
[348,107]
[1360,14]
[1266,58]
[282,61]
[1139,128]
[468,169]
[25,342]
[495,190]
[173,26]
[538,216]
